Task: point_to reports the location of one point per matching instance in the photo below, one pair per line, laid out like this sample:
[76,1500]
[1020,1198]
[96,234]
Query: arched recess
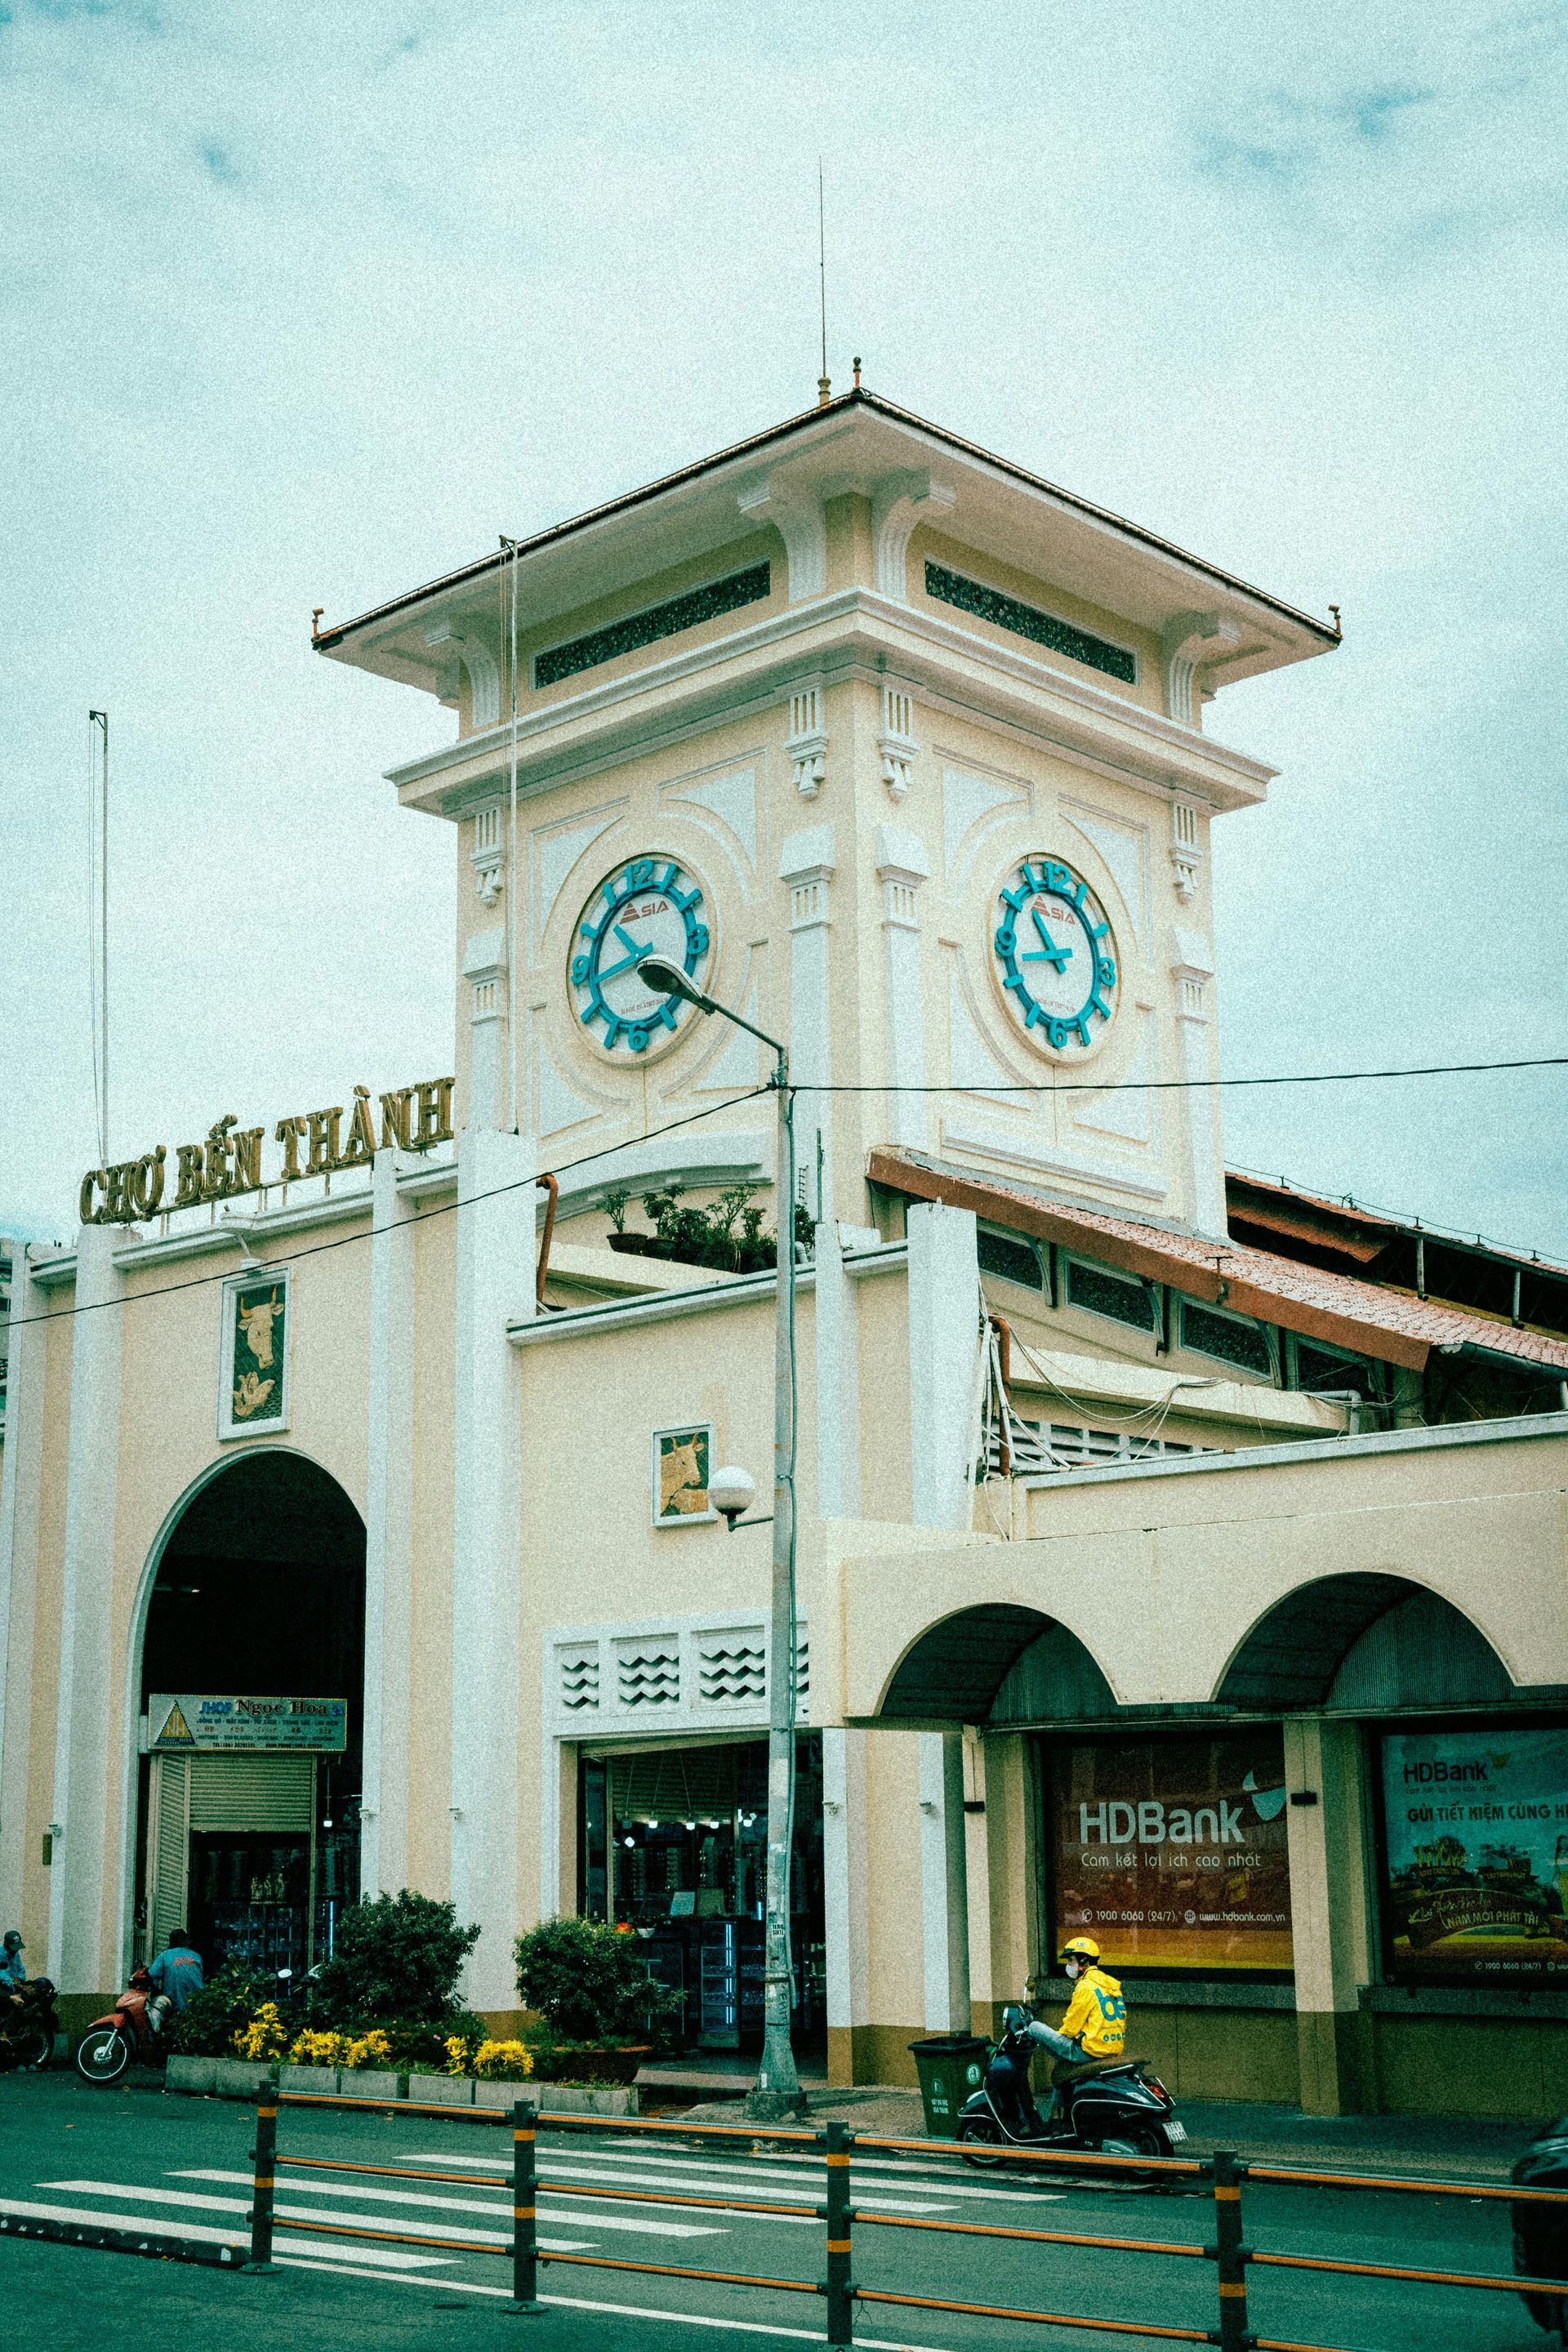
[255,1588]
[1364,1643]
[996,1662]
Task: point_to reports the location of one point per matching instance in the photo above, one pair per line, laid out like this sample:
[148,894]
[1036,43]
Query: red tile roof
[1389,1325]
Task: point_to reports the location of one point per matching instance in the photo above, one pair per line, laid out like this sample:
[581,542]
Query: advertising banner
[1476,1846]
[1171,1852]
[206,1726]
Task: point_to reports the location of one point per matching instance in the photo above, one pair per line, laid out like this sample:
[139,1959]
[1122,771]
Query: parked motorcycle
[1102,2106]
[28,2027]
[130,2032]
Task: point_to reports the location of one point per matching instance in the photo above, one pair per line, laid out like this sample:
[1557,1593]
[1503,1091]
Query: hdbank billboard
[1476,1849]
[1171,1852]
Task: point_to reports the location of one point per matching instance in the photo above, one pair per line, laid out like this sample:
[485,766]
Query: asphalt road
[143,2160]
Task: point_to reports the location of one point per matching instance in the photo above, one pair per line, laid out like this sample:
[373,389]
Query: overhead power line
[607,1151]
[1189,1086]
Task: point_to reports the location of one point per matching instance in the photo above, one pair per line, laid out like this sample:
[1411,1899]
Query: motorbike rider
[12,1975]
[176,1974]
[1095,2025]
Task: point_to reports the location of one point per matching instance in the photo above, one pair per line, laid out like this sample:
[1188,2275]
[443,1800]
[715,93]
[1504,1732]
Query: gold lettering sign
[228,1162]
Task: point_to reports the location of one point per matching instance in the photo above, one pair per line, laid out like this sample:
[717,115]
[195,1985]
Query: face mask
[1073,1970]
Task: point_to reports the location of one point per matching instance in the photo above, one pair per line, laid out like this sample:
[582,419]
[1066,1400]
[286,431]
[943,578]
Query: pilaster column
[495,1251]
[945,1883]
[84,1934]
[944,1341]
[20,1486]
[1329,1912]
[901,868]
[484,974]
[847,1927]
[389,1537]
[1192,974]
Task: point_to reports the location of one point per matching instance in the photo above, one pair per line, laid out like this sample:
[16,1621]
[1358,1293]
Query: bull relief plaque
[253,1396]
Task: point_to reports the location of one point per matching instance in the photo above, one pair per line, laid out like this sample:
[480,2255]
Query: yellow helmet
[1082,1947]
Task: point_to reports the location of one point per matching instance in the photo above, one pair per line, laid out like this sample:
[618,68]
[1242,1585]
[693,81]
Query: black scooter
[1104,2106]
[30,2028]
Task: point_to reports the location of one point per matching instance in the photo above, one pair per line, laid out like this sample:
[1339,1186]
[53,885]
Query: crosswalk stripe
[389,2258]
[289,2217]
[500,2209]
[714,2180]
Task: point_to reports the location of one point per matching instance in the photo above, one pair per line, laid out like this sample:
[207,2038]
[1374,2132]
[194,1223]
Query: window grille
[667,620]
[1118,1296]
[1227,1338]
[1010,1259]
[1028,621]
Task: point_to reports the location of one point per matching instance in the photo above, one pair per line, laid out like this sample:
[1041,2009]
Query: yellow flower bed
[502,2061]
[263,2037]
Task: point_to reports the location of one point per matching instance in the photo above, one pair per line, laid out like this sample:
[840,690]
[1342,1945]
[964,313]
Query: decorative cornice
[484,676]
[999,682]
[1191,643]
[797,516]
[898,504]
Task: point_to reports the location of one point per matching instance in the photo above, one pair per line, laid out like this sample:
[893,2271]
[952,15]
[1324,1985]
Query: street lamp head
[657,971]
[732,1491]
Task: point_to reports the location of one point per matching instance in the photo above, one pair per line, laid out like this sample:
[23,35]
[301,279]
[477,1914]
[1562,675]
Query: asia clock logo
[1054,956]
[648,905]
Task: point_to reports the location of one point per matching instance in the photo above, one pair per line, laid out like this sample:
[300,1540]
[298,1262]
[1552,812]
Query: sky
[303,307]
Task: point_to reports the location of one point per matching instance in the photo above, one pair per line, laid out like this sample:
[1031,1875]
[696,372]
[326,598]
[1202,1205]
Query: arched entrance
[1368,1644]
[248,1814]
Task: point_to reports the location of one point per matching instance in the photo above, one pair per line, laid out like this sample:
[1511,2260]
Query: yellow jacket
[1097,2015]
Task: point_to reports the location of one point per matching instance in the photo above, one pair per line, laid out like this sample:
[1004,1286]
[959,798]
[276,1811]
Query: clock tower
[898,750]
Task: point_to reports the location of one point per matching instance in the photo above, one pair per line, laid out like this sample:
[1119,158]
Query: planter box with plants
[726,1236]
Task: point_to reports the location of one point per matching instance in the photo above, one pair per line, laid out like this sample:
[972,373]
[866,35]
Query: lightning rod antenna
[824,389]
[98,915]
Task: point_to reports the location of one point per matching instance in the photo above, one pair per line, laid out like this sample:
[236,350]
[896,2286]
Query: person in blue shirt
[176,1974]
[12,1975]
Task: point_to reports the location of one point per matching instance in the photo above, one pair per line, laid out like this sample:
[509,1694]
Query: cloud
[284,327]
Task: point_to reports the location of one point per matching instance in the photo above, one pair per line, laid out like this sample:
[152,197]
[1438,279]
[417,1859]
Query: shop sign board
[1475,1852]
[1171,1852]
[208,1726]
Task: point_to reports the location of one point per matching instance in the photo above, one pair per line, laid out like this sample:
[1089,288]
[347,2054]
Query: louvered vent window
[1010,1259]
[1042,1446]
[1118,1296]
[1228,1337]
[1317,1369]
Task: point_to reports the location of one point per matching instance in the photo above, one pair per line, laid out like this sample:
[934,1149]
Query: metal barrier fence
[1222,2173]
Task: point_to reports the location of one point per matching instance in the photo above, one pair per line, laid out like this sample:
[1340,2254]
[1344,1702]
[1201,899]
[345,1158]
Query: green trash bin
[951,2067]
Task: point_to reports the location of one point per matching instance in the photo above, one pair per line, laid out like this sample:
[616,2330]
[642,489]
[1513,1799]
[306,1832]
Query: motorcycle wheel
[33,2047]
[1149,2139]
[981,2140]
[103,2055]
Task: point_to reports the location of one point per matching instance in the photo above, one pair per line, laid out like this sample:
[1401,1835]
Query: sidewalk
[1456,2147]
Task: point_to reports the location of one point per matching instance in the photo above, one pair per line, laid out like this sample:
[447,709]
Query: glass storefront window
[1474,1853]
[1171,1852]
[673,1847]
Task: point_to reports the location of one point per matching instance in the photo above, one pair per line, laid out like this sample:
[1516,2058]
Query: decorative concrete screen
[664,1674]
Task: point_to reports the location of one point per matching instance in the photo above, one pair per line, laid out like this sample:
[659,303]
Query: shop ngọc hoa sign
[207,1725]
[228,1160]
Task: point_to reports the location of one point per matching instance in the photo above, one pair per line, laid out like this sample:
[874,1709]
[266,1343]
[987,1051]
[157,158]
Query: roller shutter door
[252,1792]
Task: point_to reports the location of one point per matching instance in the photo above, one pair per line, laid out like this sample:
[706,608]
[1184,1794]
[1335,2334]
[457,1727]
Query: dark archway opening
[1367,1643]
[260,1594]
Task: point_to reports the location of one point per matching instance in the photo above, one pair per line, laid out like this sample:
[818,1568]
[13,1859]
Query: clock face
[648,905]
[1055,958]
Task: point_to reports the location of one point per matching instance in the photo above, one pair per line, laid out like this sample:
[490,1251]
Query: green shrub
[589,1983]
[397,1958]
[209,2021]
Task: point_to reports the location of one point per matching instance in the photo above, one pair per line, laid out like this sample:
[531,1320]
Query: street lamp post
[777,2090]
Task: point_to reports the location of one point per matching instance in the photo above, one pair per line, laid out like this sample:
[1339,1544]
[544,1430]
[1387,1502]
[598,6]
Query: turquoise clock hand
[1048,952]
[626,940]
[626,963]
